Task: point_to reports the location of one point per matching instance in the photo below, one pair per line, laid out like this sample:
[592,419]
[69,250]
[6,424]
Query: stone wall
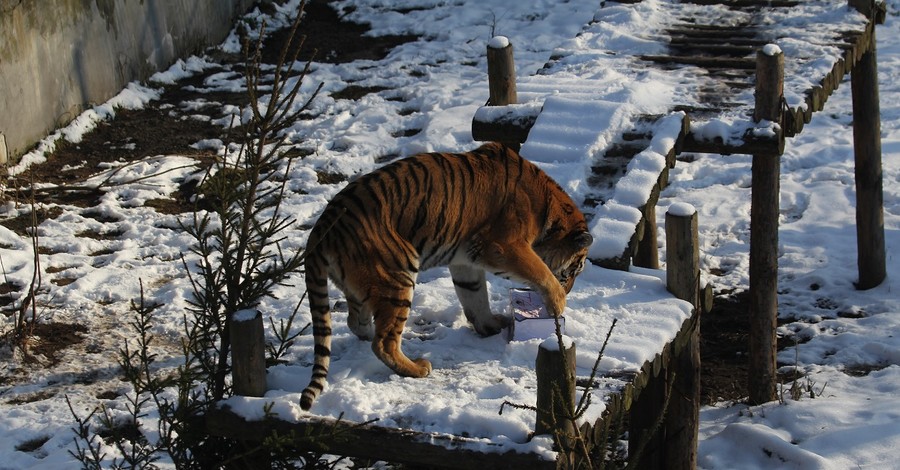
[60,57]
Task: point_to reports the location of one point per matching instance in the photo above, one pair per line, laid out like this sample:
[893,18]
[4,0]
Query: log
[367,441]
[682,422]
[751,144]
[871,256]
[769,84]
[555,371]
[505,124]
[682,253]
[645,435]
[647,255]
[248,354]
[501,72]
[764,211]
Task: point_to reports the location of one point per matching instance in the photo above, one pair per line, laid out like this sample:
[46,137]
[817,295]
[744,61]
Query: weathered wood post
[764,208]
[648,254]
[555,386]
[248,354]
[682,422]
[501,72]
[645,435]
[867,154]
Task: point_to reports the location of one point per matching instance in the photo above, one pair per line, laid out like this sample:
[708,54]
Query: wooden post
[867,154]
[501,72]
[645,450]
[555,370]
[648,254]
[682,253]
[682,422]
[764,209]
[248,354]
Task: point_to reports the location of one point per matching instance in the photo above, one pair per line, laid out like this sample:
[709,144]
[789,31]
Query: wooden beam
[372,442]
[750,144]
[504,127]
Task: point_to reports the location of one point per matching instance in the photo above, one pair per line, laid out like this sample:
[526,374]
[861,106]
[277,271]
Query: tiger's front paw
[555,301]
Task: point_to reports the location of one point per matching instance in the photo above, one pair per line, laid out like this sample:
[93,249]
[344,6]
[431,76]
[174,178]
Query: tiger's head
[564,243]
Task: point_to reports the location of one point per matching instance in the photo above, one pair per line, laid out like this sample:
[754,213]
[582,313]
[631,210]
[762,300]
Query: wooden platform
[712,45]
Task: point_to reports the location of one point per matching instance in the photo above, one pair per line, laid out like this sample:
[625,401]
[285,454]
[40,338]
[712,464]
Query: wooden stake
[682,422]
[555,387]
[248,355]
[764,210]
[682,253]
[867,152]
[648,254]
[645,435]
[501,72]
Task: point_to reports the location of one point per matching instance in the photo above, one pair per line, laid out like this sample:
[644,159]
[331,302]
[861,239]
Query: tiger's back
[485,209]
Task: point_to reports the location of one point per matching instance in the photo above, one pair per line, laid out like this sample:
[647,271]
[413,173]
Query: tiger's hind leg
[391,309]
[471,289]
[360,320]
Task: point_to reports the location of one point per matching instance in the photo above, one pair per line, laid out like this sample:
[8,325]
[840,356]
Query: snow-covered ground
[435,85]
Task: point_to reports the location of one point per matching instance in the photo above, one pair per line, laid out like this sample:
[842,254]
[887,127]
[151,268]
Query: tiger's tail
[317,291]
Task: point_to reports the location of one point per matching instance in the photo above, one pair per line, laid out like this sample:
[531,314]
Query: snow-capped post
[501,72]
[248,353]
[555,386]
[764,209]
[867,152]
[682,421]
[682,252]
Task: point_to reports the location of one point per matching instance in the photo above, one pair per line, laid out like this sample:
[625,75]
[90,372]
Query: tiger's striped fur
[488,209]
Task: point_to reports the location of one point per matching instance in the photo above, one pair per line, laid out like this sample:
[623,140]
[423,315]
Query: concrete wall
[60,57]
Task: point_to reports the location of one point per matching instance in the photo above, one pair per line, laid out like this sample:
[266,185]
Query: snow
[771,50]
[854,419]
[552,343]
[498,42]
[681,209]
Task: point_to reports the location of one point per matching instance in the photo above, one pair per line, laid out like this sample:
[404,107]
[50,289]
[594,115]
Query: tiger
[484,210]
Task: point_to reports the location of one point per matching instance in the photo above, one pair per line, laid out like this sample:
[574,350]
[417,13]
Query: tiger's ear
[583,239]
